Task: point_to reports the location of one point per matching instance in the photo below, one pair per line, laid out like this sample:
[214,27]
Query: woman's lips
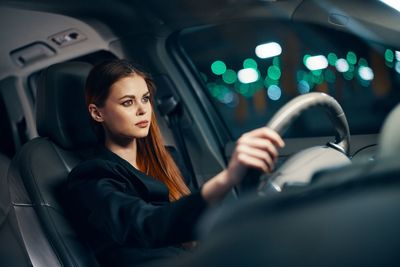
[142,124]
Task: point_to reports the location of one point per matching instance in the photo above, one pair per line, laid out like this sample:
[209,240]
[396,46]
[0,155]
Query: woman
[131,200]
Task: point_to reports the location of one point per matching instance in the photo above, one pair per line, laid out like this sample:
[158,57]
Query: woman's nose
[141,109]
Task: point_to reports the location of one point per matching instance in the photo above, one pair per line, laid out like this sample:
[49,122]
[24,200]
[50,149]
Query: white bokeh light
[268,50]
[247,75]
[342,65]
[397,67]
[316,62]
[366,73]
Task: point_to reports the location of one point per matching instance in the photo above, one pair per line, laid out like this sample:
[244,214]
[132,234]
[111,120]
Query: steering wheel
[299,168]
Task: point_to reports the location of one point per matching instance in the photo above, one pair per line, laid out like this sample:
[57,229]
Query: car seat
[389,141]
[40,169]
[12,252]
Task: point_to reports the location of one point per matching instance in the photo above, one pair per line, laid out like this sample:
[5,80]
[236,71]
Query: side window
[252,69]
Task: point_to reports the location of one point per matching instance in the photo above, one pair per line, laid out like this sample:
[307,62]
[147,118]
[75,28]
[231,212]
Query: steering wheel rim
[294,108]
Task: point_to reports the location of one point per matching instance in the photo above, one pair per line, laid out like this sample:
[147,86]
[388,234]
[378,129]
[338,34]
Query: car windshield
[251,69]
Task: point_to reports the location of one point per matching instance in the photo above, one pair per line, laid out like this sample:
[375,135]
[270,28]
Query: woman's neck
[126,151]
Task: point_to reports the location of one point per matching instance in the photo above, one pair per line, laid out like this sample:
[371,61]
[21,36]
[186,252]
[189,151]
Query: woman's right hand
[257,149]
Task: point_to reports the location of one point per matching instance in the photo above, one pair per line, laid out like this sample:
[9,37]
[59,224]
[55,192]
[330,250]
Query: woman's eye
[127,103]
[146,99]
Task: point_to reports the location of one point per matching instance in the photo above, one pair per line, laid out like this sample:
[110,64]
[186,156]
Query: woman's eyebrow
[127,96]
[132,96]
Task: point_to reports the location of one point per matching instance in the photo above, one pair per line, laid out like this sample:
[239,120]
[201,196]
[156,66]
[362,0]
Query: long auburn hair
[152,156]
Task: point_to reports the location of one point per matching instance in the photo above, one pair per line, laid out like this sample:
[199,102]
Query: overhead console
[35,39]
[31,53]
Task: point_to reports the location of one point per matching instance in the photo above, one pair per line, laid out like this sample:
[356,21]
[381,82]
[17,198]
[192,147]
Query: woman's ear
[95,113]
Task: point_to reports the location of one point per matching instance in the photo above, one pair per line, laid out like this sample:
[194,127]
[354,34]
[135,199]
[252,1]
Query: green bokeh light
[363,62]
[348,75]
[389,55]
[318,79]
[276,62]
[213,89]
[316,72]
[351,58]
[218,67]
[274,72]
[245,89]
[301,75]
[229,76]
[306,56]
[268,82]
[332,58]
[249,63]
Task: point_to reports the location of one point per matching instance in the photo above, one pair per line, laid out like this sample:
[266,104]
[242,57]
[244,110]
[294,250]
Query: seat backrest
[389,140]
[12,253]
[43,164]
[4,195]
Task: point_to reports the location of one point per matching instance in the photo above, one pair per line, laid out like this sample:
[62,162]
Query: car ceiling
[114,19]
[188,12]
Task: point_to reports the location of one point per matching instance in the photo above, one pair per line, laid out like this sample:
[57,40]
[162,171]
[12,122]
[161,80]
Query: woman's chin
[142,134]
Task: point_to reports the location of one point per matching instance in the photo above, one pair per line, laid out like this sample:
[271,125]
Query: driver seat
[41,168]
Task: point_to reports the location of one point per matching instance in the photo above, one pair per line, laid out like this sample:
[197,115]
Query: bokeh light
[249,63]
[342,65]
[362,62]
[276,62]
[274,92]
[303,87]
[366,73]
[397,67]
[268,50]
[229,76]
[218,67]
[248,75]
[351,58]
[332,58]
[389,55]
[274,72]
[316,62]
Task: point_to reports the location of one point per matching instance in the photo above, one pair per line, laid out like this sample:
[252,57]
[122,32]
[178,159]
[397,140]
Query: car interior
[334,195]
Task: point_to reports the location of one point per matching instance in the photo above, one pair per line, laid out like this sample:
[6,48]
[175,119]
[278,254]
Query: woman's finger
[254,163]
[261,154]
[265,132]
[260,144]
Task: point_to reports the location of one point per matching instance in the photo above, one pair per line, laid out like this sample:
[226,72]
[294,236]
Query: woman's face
[127,111]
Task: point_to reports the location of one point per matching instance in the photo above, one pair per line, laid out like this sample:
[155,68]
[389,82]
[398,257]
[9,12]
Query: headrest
[61,112]
[389,139]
